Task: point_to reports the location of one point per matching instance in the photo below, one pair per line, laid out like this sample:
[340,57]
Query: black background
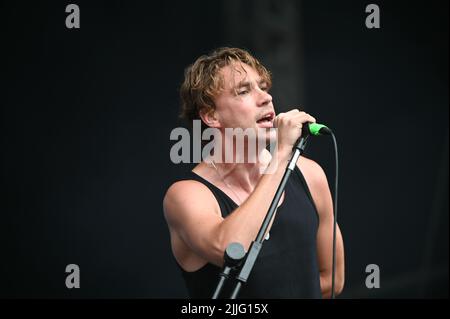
[87,113]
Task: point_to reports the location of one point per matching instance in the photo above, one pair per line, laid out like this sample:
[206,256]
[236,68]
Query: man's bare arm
[192,213]
[320,192]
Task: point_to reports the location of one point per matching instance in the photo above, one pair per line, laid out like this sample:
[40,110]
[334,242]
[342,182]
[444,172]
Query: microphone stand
[232,259]
[256,245]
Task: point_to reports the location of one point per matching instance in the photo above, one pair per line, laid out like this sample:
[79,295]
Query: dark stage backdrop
[87,114]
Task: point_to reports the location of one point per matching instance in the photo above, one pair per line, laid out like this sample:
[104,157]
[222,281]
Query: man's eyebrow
[248,84]
[243,83]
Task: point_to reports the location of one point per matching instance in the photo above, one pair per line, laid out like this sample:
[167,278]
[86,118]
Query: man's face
[244,101]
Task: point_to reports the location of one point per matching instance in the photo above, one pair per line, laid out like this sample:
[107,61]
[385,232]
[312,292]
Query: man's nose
[264,98]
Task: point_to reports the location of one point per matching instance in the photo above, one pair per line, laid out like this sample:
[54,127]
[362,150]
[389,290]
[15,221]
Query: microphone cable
[335,199]
[316,130]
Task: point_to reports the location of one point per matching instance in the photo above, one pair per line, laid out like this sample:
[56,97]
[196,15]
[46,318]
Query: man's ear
[210,118]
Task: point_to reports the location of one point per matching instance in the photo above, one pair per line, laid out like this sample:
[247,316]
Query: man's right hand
[289,127]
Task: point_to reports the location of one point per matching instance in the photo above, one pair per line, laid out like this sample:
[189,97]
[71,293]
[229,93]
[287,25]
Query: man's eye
[243,92]
[265,88]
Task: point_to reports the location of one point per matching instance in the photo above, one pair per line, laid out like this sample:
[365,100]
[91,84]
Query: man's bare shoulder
[310,167]
[184,197]
[314,175]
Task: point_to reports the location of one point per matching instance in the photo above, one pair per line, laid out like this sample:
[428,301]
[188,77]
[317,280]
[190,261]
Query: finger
[304,117]
[278,118]
[293,111]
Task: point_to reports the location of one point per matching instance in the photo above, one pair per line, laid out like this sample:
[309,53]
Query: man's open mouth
[266,118]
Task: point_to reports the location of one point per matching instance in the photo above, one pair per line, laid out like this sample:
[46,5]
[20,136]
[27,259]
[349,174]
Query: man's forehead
[238,72]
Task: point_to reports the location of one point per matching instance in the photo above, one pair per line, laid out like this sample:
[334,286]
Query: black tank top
[287,265]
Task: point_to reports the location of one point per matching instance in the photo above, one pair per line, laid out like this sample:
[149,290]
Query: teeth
[268,118]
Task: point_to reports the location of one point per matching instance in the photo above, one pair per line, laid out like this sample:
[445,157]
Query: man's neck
[244,175]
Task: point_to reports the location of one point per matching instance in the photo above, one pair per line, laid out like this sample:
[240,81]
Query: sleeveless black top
[287,264]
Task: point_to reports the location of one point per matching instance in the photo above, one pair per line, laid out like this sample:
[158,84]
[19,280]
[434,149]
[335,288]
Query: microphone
[317,129]
[311,129]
